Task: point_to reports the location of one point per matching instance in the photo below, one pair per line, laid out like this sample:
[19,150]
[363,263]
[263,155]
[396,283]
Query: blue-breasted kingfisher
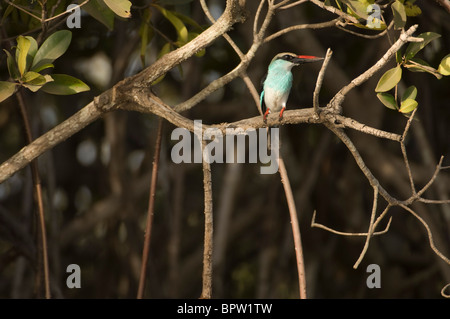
[277,83]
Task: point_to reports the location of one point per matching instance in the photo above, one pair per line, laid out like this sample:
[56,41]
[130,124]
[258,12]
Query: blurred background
[96,183]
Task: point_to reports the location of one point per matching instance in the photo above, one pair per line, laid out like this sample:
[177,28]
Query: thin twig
[371,225]
[67,11]
[430,236]
[362,165]
[150,212]
[432,179]
[280,4]
[257,14]
[38,194]
[208,237]
[225,35]
[295,227]
[320,80]
[405,156]
[313,26]
[293,4]
[43,20]
[23,10]
[337,232]
[366,36]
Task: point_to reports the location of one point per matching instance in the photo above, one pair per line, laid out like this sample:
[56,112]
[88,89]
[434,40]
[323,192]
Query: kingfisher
[277,83]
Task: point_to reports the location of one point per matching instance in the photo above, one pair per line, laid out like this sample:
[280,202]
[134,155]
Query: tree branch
[337,100]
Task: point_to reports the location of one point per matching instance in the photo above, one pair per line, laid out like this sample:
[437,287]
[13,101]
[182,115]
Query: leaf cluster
[390,79]
[26,66]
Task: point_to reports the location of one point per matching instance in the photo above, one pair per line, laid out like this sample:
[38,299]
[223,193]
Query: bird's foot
[281,112]
[265,115]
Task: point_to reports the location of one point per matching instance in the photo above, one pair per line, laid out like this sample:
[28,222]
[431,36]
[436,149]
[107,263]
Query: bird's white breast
[275,100]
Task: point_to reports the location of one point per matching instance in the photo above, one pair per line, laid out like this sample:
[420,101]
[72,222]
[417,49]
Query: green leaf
[34,78]
[31,52]
[32,87]
[410,93]
[34,81]
[146,33]
[12,67]
[120,7]
[357,8]
[100,12]
[389,79]
[43,67]
[64,84]
[411,9]
[415,47]
[444,66]
[408,105]
[398,57]
[6,90]
[419,65]
[388,100]
[23,45]
[176,22]
[52,48]
[398,10]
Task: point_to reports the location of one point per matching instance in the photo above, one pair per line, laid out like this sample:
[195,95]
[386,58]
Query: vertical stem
[295,228]
[151,205]
[208,244]
[38,193]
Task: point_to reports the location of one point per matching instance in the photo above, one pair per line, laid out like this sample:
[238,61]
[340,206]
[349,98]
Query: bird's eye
[287,57]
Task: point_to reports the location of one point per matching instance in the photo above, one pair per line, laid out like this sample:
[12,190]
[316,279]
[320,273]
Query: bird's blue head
[287,60]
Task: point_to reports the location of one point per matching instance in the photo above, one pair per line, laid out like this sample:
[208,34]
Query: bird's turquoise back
[279,76]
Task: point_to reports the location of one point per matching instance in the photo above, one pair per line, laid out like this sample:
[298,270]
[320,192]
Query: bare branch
[430,236]
[366,171]
[293,4]
[320,80]
[147,103]
[295,227]
[371,227]
[431,181]
[258,13]
[150,212]
[405,156]
[314,224]
[208,237]
[313,26]
[225,35]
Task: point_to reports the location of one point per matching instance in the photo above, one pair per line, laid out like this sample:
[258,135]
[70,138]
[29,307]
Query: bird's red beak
[308,58]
